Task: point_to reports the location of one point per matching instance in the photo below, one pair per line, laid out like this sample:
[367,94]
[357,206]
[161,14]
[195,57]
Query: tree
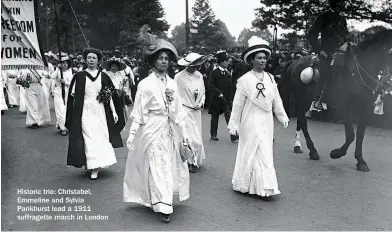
[137,13]
[246,34]
[299,14]
[204,18]
[178,36]
[229,40]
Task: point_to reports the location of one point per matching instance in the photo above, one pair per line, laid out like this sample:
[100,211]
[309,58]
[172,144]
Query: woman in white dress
[154,169]
[60,101]
[36,102]
[3,104]
[92,121]
[192,91]
[255,101]
[12,88]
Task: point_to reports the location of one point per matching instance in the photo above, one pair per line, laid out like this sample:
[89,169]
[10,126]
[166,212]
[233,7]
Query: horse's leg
[361,164]
[349,131]
[297,143]
[313,154]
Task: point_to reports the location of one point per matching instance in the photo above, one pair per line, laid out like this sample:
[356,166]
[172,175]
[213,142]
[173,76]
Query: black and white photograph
[196,115]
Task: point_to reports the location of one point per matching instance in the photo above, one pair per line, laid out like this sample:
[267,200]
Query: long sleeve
[212,84]
[314,32]
[140,110]
[278,107]
[236,113]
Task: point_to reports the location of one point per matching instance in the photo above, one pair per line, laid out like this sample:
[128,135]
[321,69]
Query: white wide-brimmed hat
[256,44]
[192,59]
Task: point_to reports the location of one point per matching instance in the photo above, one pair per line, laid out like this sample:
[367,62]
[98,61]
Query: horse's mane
[378,38]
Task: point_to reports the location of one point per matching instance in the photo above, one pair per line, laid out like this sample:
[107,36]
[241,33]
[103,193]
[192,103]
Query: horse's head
[376,50]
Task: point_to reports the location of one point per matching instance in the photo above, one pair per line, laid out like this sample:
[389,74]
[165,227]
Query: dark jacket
[220,83]
[333,29]
[76,151]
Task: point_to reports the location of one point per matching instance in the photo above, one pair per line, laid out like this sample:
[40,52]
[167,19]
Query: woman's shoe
[165,218]
[214,138]
[94,174]
[192,168]
[265,198]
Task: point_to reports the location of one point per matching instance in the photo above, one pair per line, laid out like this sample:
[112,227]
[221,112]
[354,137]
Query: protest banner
[20,42]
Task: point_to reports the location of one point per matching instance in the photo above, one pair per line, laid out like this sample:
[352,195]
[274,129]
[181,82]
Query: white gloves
[132,131]
[234,132]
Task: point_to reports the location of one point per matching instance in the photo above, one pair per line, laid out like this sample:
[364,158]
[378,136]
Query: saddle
[340,57]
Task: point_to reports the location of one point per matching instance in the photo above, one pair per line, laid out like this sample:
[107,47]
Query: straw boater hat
[192,59]
[256,44]
[108,64]
[152,45]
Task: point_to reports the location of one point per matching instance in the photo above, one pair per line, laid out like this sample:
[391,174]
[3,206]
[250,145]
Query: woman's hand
[286,124]
[115,117]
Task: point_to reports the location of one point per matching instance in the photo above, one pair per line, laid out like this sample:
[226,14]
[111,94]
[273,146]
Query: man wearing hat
[333,28]
[220,85]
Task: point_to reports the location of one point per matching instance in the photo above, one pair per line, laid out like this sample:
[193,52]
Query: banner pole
[59,47]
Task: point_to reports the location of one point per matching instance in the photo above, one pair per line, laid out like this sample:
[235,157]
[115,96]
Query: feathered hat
[153,44]
[256,44]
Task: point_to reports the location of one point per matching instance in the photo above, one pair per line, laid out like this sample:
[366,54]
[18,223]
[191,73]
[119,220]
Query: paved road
[316,195]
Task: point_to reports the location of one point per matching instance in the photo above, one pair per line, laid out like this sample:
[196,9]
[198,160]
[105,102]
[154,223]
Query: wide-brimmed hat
[152,45]
[256,44]
[109,63]
[192,59]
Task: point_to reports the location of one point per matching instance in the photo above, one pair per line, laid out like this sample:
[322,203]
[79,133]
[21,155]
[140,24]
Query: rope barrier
[84,36]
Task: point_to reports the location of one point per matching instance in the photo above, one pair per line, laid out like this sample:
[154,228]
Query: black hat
[221,56]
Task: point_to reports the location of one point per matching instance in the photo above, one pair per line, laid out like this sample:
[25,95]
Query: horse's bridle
[381,82]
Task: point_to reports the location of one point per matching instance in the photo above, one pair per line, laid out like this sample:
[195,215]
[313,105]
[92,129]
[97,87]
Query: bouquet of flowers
[196,94]
[169,95]
[105,94]
[187,153]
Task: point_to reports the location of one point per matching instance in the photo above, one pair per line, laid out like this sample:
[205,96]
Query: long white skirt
[194,127]
[47,87]
[154,171]
[3,104]
[13,93]
[37,106]
[59,107]
[22,106]
[99,150]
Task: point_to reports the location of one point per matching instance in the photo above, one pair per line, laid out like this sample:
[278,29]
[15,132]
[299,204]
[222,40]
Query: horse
[358,84]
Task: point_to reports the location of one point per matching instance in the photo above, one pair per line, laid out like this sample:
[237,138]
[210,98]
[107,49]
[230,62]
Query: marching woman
[92,121]
[255,101]
[60,101]
[37,105]
[192,91]
[3,104]
[113,68]
[154,169]
[12,88]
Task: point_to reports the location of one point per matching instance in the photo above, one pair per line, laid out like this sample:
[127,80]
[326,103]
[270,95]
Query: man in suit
[333,28]
[221,89]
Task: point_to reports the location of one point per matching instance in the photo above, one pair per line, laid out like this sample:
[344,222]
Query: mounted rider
[333,28]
